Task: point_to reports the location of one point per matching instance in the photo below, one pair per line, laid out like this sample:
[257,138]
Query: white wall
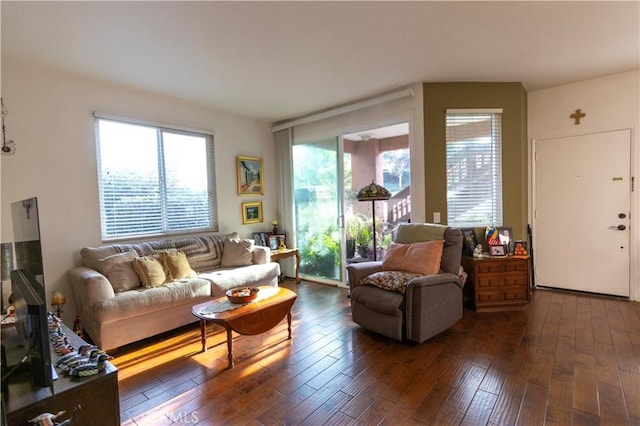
[50,119]
[610,103]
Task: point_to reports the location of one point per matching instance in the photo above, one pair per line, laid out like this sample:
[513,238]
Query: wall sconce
[8,146]
[58,299]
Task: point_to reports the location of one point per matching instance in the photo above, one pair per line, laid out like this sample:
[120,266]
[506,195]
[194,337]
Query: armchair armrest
[357,271]
[433,280]
[433,303]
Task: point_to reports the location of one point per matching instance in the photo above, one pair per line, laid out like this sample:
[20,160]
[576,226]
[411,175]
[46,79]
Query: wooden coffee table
[253,318]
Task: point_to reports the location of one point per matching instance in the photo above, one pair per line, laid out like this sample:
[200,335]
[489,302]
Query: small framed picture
[257,237]
[277,241]
[505,233]
[497,250]
[252,212]
[250,173]
[469,241]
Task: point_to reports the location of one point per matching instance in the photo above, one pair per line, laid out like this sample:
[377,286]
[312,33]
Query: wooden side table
[283,254]
[496,283]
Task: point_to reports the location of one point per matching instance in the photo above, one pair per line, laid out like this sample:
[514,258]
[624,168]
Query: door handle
[618,228]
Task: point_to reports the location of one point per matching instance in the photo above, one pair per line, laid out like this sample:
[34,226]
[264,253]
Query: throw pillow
[151,270]
[178,265]
[92,255]
[237,253]
[389,280]
[420,258]
[118,268]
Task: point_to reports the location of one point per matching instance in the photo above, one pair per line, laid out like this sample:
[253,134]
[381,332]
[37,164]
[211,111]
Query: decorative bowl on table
[242,295]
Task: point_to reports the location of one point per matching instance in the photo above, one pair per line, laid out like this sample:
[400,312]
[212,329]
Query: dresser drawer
[517,266]
[490,296]
[490,281]
[516,280]
[515,294]
[489,267]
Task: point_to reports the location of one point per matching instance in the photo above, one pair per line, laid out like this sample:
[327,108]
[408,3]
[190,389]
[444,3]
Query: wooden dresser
[496,283]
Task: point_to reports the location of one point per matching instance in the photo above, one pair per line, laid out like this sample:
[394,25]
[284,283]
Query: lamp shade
[373,192]
[58,298]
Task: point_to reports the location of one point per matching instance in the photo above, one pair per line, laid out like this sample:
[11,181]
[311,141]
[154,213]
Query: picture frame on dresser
[505,234]
[277,241]
[259,239]
[497,250]
[469,241]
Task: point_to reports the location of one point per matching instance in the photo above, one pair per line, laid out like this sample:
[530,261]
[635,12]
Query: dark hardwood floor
[567,359]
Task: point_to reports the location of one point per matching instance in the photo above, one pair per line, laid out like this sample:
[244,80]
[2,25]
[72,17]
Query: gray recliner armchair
[430,303]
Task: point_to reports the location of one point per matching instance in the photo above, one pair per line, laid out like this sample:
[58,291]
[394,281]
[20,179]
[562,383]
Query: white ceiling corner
[278,60]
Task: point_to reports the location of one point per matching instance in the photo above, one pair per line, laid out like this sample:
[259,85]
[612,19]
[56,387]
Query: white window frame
[480,200]
[166,224]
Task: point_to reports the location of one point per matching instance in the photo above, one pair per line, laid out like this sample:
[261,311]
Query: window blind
[154,180]
[474,168]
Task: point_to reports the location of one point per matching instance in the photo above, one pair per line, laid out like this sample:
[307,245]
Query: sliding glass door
[318,188]
[332,228]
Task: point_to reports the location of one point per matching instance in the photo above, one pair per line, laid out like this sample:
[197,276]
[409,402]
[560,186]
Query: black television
[26,238]
[32,326]
[28,293]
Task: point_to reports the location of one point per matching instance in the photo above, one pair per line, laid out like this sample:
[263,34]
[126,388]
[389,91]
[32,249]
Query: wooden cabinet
[496,283]
[97,395]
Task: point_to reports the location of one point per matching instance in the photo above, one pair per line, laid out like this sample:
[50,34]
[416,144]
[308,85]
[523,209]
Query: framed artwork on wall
[252,212]
[250,176]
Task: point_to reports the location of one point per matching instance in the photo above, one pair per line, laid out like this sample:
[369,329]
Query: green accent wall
[512,98]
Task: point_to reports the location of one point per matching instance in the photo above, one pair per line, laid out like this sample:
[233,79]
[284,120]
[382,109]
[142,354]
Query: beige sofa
[117,307]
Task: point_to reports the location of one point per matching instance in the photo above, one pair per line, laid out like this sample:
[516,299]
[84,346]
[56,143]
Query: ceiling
[281,60]
[379,133]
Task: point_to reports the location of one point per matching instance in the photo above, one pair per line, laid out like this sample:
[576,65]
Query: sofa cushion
[135,303]
[177,265]
[118,268]
[204,252]
[246,276]
[420,258]
[151,270]
[91,255]
[389,280]
[237,253]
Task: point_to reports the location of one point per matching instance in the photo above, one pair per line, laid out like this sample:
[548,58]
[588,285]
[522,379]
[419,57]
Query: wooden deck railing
[399,207]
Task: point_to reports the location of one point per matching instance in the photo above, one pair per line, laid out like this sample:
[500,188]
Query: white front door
[582,199]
